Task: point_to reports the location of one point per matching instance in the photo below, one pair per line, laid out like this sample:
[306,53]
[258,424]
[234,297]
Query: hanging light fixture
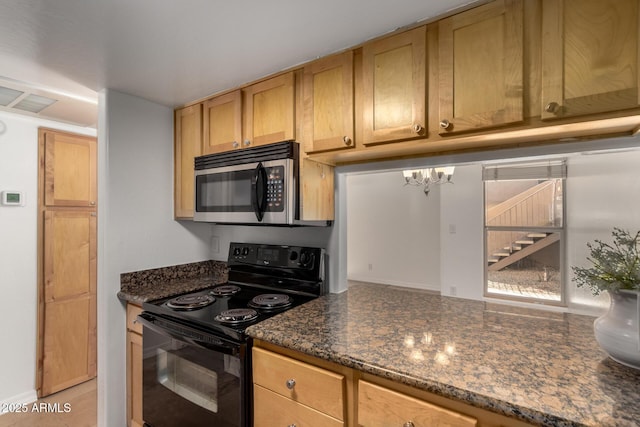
[428,176]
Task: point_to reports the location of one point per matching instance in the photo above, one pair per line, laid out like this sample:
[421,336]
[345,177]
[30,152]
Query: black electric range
[197,358]
[264,280]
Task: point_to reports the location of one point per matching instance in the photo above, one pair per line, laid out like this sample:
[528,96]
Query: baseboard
[400,283]
[18,400]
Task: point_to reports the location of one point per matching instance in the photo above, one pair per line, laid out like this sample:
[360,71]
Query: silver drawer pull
[292,425]
[291,384]
[409,424]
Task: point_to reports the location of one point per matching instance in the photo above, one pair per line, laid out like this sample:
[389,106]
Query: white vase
[617,331]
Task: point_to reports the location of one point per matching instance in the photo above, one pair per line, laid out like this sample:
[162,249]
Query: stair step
[536,235]
[525,242]
[493,260]
[503,254]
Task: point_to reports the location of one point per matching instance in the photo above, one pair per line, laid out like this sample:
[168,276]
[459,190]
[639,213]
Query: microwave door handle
[259,191]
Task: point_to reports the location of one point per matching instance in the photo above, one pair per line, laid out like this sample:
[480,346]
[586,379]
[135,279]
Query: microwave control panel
[275,189]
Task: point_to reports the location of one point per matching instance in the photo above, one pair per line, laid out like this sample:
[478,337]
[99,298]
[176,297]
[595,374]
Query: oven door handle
[259,191]
[187,334]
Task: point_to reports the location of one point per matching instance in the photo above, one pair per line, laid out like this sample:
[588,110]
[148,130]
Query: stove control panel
[261,255]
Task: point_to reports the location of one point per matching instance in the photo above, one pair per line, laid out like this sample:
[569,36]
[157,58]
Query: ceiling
[173,52]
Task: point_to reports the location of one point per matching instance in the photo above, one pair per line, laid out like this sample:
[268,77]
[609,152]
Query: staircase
[531,207]
[519,249]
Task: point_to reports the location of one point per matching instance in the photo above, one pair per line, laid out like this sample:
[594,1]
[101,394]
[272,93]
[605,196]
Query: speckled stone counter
[542,367]
[156,283]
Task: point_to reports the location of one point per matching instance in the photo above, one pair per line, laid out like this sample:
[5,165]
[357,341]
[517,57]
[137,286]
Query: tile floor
[81,409]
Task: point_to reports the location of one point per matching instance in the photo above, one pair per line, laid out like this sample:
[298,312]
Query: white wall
[603,191]
[18,253]
[393,231]
[136,230]
[461,234]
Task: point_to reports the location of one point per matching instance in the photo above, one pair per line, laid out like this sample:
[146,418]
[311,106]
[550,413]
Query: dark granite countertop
[542,367]
[156,283]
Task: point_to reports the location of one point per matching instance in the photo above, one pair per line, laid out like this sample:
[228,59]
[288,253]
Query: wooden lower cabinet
[134,367]
[271,409]
[328,394]
[379,407]
[314,395]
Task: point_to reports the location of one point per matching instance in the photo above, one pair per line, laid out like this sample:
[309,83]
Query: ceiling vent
[22,98]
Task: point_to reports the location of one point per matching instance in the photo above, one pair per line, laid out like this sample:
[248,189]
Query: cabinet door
[328,104]
[316,191]
[481,67]
[306,384]
[289,412]
[381,407]
[70,170]
[394,87]
[134,380]
[269,111]
[69,267]
[589,56]
[222,123]
[188,145]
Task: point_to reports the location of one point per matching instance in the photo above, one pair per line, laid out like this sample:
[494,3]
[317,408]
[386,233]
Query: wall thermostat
[12,198]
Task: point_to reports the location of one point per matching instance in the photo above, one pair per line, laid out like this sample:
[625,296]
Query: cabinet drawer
[380,407]
[315,387]
[132,312]
[271,409]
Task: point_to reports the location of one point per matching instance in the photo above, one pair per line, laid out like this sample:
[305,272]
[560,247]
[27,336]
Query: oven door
[250,193]
[192,378]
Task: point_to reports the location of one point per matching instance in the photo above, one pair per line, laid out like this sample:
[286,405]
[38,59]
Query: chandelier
[428,176]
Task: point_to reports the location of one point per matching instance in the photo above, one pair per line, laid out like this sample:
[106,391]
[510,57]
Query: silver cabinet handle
[292,425]
[235,144]
[417,128]
[409,424]
[291,384]
[552,107]
[347,140]
[247,143]
[445,124]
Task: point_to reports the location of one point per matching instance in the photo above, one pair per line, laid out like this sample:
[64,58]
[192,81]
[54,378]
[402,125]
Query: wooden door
[481,67]
[394,88]
[269,111]
[589,57]
[69,336]
[188,145]
[328,104]
[222,123]
[70,170]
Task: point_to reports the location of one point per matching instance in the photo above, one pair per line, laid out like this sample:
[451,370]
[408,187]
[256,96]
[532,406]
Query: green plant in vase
[615,268]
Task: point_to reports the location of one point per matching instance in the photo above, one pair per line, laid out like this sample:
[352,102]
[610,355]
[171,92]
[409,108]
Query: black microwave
[257,185]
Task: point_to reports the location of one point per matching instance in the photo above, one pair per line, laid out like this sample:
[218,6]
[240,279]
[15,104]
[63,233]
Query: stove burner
[225,290]
[271,301]
[191,302]
[237,315]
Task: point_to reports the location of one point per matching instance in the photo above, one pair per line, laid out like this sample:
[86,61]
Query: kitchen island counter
[541,367]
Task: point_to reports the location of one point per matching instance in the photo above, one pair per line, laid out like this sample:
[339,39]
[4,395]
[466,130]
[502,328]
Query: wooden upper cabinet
[328,104]
[481,67]
[70,173]
[269,111]
[222,125]
[394,88]
[589,56]
[188,145]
